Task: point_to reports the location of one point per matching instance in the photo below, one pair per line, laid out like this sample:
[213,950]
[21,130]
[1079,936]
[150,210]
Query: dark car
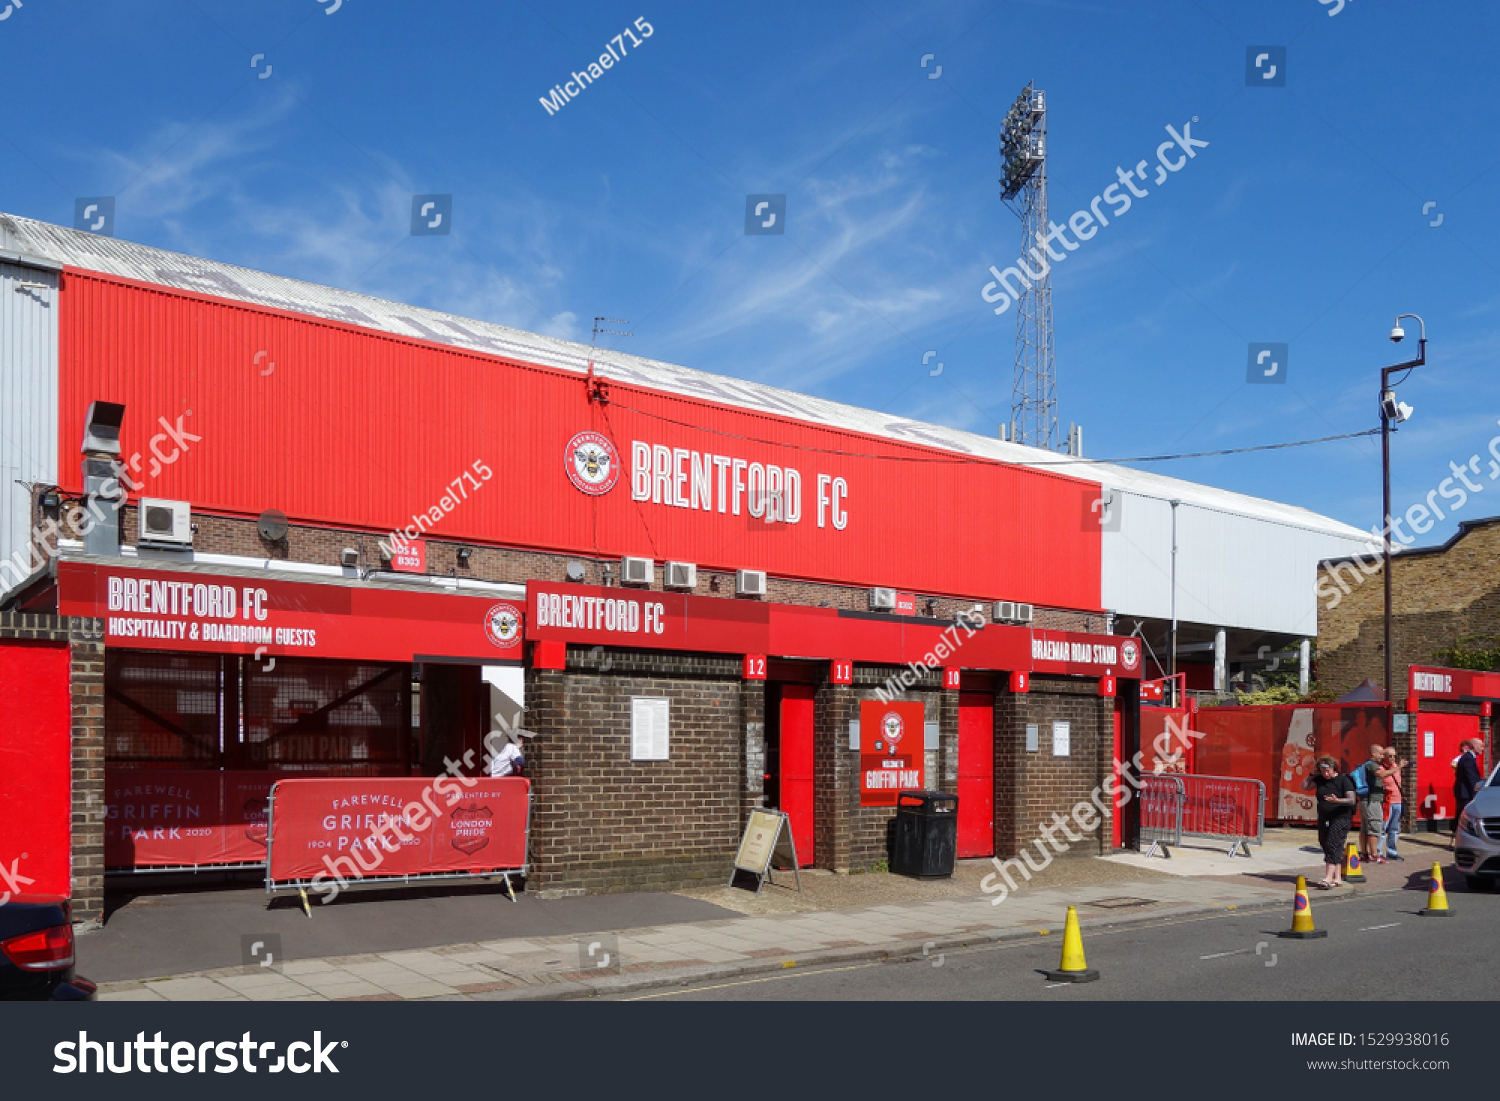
[36,951]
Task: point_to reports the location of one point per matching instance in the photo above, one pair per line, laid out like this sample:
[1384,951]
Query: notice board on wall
[650,721]
[890,751]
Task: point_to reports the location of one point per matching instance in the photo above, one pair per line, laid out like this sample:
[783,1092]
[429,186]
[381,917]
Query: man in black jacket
[1466,779]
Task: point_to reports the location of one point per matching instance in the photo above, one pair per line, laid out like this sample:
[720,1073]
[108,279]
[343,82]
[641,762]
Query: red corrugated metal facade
[343,426]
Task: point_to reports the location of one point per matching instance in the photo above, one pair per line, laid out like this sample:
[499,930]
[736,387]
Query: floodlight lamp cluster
[1023,141]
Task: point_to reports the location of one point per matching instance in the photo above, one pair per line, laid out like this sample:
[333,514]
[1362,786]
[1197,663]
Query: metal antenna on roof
[596,388]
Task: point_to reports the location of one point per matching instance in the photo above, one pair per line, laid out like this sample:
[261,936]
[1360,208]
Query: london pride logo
[502,624]
[592,463]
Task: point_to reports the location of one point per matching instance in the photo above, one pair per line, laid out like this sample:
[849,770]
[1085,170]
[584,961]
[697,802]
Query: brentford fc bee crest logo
[592,463]
[502,623]
[1130,653]
[893,729]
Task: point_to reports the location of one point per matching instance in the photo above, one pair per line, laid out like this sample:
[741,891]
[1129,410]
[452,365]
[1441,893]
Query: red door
[1438,736]
[976,774]
[36,746]
[797,765]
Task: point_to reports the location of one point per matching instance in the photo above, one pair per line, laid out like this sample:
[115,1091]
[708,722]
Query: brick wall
[1438,595]
[1031,786]
[856,837]
[304,543]
[605,822]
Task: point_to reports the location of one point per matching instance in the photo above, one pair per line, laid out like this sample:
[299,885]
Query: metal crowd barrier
[1161,796]
[1178,805]
[1224,807]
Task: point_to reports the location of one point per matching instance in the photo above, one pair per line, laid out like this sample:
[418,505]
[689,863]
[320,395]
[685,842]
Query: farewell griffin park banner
[161,818]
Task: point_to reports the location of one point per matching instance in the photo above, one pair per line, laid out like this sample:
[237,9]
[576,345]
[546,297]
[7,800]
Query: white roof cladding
[1130,583]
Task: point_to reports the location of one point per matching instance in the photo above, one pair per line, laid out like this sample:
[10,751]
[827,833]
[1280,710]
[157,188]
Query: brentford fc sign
[592,463]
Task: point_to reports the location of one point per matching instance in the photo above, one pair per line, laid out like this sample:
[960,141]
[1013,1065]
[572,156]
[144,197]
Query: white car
[1478,841]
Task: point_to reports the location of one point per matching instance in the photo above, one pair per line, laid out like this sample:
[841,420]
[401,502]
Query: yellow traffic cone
[1073,968]
[1302,919]
[1353,870]
[1437,898]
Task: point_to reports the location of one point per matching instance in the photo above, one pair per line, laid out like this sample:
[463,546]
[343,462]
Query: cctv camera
[1398,334]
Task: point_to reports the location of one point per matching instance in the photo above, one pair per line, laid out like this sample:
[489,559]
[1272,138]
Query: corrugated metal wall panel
[197,275]
[28,403]
[1232,571]
[345,426]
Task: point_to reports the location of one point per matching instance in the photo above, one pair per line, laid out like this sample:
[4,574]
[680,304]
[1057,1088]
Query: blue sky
[1302,222]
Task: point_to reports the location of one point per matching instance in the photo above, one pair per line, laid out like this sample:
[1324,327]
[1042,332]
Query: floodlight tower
[1023,186]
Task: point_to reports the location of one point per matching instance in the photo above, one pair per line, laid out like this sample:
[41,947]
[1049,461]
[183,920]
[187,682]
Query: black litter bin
[924,840]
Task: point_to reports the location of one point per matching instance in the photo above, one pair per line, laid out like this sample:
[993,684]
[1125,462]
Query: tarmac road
[1378,948]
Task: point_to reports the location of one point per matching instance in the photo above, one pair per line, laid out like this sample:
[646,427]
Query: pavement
[587,947]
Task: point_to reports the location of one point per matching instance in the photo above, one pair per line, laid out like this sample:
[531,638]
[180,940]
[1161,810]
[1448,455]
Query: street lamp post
[1393,412]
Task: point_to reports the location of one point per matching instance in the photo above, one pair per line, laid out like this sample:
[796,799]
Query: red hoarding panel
[1278,745]
[209,613]
[366,828]
[376,432]
[1167,742]
[36,750]
[184,817]
[891,751]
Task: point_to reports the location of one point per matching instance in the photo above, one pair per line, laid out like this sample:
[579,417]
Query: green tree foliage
[1480,652]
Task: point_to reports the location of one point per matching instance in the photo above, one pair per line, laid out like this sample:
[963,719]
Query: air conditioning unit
[1009,611]
[681,575]
[750,583]
[637,571]
[168,522]
[882,600]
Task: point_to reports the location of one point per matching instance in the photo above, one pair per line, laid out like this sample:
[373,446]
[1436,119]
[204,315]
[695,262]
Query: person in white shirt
[510,761]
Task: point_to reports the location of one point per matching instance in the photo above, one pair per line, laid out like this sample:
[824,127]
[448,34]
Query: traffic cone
[1354,871]
[1073,968]
[1302,919]
[1437,898]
